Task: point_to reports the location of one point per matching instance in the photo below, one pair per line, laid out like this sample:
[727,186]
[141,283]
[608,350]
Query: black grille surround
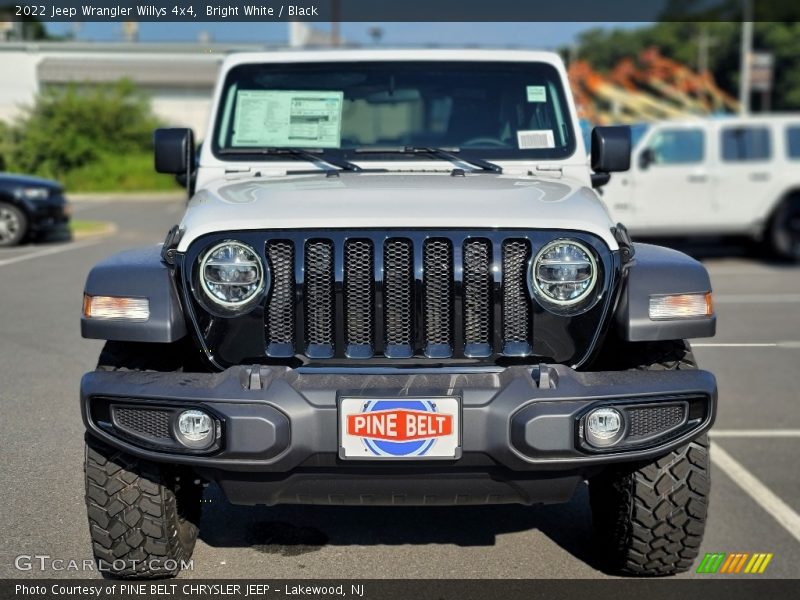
[400,298]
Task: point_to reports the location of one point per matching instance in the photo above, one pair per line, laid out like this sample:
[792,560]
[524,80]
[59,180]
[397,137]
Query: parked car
[30,206]
[723,176]
[395,285]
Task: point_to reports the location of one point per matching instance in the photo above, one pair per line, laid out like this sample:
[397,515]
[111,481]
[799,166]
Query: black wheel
[649,518]
[13,225]
[783,235]
[142,516]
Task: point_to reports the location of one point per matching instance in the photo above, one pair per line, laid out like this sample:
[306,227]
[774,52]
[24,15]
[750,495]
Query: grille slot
[398,303]
[516,302]
[319,299]
[649,421]
[478,309]
[359,291]
[438,289]
[280,311]
[149,423]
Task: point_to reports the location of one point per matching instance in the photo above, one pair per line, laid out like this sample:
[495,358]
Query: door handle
[697,178]
[759,176]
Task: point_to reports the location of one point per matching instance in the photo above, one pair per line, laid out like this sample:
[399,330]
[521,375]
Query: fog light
[604,427]
[195,429]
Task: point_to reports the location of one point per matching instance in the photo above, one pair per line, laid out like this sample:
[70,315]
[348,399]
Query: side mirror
[611,149]
[174,151]
[646,158]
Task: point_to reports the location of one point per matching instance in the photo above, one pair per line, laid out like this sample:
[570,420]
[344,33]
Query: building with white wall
[178,78]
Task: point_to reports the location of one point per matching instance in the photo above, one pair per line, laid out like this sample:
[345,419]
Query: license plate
[393,429]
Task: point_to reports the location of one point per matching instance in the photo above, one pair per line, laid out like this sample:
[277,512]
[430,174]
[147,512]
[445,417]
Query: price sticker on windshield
[536,93]
[299,119]
[533,139]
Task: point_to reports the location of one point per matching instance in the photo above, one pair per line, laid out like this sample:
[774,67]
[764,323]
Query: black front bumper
[521,429]
[48,215]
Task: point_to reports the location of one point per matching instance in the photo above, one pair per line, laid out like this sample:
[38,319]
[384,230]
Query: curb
[127,197]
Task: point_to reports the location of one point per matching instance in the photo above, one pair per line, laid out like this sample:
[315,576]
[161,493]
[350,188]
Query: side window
[793,141]
[743,144]
[677,146]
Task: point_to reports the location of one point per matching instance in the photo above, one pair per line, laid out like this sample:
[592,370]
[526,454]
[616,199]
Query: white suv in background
[732,176]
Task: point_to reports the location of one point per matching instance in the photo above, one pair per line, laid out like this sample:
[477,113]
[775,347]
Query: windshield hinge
[234,173]
[547,171]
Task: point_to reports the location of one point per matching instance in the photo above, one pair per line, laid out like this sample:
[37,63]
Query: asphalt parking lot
[755,492]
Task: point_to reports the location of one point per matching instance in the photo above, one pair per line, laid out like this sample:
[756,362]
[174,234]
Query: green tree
[68,128]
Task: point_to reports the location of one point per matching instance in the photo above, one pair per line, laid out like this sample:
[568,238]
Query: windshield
[357,110]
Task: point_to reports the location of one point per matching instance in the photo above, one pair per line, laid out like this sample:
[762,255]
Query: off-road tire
[21,225]
[143,517]
[649,518]
[783,232]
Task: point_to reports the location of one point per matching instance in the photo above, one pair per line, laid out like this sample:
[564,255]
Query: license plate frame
[443,442]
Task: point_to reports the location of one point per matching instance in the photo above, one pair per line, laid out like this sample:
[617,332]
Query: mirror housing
[646,158]
[611,149]
[600,179]
[174,151]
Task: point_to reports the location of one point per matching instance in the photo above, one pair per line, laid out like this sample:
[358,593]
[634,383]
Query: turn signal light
[113,307]
[681,306]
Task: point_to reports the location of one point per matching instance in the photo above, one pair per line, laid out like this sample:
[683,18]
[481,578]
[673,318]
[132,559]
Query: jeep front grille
[398,297]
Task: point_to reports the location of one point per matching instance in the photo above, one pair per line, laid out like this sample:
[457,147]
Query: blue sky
[538,35]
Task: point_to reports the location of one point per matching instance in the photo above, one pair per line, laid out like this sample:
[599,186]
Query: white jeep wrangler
[725,176]
[394,285]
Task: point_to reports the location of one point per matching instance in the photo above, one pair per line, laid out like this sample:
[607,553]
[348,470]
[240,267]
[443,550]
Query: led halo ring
[555,301]
[216,300]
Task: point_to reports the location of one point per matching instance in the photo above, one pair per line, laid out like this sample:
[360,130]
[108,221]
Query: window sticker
[307,119]
[535,138]
[536,93]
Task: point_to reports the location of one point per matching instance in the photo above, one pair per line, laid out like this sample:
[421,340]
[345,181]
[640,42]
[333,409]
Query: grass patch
[125,173]
[80,227]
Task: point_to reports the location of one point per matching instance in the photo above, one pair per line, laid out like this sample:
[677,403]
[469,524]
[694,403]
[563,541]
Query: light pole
[746,52]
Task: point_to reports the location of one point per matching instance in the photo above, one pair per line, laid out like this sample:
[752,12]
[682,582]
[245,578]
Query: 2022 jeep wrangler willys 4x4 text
[394,285]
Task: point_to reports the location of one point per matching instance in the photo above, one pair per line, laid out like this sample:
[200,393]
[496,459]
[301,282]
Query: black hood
[15,180]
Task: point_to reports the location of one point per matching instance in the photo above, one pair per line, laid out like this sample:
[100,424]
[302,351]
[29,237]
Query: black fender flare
[657,271]
[139,273]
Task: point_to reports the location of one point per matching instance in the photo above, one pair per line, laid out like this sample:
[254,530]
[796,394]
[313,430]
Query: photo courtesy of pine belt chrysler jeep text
[394,285]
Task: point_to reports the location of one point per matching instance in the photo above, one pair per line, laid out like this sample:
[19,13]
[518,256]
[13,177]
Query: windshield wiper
[443,153]
[309,155]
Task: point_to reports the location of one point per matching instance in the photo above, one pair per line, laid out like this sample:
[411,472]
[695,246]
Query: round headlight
[231,274]
[564,273]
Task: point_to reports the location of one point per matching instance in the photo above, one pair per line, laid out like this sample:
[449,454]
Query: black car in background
[30,207]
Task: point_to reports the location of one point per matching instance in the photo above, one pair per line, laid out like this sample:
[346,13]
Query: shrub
[69,128]
[119,173]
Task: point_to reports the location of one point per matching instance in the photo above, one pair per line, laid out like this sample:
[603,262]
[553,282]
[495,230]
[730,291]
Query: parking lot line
[756,433]
[763,496]
[737,345]
[48,251]
[757,299]
[793,345]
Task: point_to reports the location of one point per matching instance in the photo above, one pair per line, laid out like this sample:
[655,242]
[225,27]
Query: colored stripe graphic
[758,563]
[711,563]
[722,562]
